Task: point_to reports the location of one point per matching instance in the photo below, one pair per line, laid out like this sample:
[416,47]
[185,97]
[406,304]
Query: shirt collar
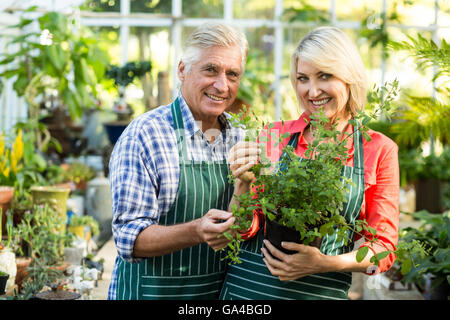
[190,124]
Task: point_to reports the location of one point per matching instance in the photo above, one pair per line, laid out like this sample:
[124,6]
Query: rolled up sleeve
[134,195]
[381,205]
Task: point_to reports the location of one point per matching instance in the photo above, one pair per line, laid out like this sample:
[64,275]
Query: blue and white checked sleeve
[133,195]
[143,178]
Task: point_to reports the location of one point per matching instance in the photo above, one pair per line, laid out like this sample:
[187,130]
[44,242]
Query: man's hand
[243,156]
[212,225]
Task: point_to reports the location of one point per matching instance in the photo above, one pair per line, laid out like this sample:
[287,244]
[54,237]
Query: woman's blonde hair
[331,50]
[213,34]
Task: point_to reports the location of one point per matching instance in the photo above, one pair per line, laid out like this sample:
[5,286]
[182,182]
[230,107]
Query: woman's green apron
[192,273]
[252,279]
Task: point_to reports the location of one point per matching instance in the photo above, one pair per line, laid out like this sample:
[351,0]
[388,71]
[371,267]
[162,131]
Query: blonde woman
[327,74]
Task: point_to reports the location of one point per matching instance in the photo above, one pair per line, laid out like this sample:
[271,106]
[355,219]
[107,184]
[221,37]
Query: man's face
[212,83]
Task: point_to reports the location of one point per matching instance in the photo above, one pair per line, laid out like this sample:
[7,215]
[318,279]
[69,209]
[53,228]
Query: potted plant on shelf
[10,166]
[40,230]
[122,77]
[80,173]
[83,226]
[7,255]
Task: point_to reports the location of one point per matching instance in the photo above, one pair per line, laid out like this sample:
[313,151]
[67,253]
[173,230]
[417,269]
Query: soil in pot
[277,233]
[3,280]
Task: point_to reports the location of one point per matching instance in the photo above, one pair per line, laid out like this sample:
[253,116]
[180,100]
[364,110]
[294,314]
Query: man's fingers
[242,150]
[242,169]
[219,214]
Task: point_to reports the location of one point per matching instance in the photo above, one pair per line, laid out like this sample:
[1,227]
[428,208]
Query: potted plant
[122,77]
[3,280]
[10,166]
[40,229]
[78,225]
[80,173]
[307,195]
[431,272]
[52,53]
[7,256]
[57,176]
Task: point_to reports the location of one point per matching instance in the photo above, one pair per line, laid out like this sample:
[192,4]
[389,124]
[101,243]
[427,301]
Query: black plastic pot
[3,281]
[277,233]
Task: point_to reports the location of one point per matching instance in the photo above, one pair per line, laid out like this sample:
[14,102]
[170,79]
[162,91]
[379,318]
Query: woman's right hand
[243,156]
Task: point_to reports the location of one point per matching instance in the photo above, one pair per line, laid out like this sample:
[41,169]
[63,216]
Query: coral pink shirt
[380,207]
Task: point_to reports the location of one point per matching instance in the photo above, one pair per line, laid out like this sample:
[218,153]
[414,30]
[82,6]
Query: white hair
[210,35]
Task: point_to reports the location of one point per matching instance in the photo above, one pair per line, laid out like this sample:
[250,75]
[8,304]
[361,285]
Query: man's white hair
[213,34]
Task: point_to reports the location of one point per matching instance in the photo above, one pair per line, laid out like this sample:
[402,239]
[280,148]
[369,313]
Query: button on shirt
[144,171]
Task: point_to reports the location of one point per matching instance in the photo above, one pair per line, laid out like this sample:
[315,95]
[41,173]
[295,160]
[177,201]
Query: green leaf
[406,266]
[361,254]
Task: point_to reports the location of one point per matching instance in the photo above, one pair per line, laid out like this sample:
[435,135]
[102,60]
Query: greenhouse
[151,149]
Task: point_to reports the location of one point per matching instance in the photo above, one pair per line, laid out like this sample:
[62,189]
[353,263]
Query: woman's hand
[243,156]
[308,260]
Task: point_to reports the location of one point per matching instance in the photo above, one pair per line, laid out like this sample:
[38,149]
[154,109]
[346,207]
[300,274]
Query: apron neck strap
[178,125]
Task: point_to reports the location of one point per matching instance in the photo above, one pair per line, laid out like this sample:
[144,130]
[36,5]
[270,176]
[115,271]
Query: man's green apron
[192,273]
[252,279]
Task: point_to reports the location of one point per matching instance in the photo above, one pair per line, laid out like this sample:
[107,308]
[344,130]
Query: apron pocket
[193,287]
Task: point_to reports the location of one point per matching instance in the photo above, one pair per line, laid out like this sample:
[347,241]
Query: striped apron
[252,279]
[192,273]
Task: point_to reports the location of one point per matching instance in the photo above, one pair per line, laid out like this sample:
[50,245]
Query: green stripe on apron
[252,279]
[192,273]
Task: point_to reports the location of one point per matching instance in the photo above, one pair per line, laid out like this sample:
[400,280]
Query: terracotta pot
[22,269]
[64,185]
[6,196]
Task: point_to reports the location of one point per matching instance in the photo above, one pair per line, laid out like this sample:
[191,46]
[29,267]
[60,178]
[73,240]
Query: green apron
[252,279]
[192,273]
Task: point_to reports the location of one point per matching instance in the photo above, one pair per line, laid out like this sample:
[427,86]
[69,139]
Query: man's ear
[180,71]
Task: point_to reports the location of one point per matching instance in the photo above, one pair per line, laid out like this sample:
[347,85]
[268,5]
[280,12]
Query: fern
[426,53]
[423,117]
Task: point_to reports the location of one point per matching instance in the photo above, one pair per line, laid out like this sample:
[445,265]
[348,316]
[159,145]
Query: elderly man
[169,178]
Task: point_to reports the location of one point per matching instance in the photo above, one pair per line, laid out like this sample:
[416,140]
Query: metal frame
[176,22]
[124,19]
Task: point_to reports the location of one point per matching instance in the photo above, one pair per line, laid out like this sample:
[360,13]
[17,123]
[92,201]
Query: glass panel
[306,11]
[400,65]
[151,6]
[254,9]
[347,10]
[148,44]
[110,40]
[255,87]
[202,8]
[416,13]
[101,5]
[444,15]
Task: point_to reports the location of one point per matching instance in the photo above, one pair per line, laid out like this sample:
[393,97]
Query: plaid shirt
[144,171]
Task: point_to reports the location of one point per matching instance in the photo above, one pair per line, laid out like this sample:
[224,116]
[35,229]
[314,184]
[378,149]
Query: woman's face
[320,90]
